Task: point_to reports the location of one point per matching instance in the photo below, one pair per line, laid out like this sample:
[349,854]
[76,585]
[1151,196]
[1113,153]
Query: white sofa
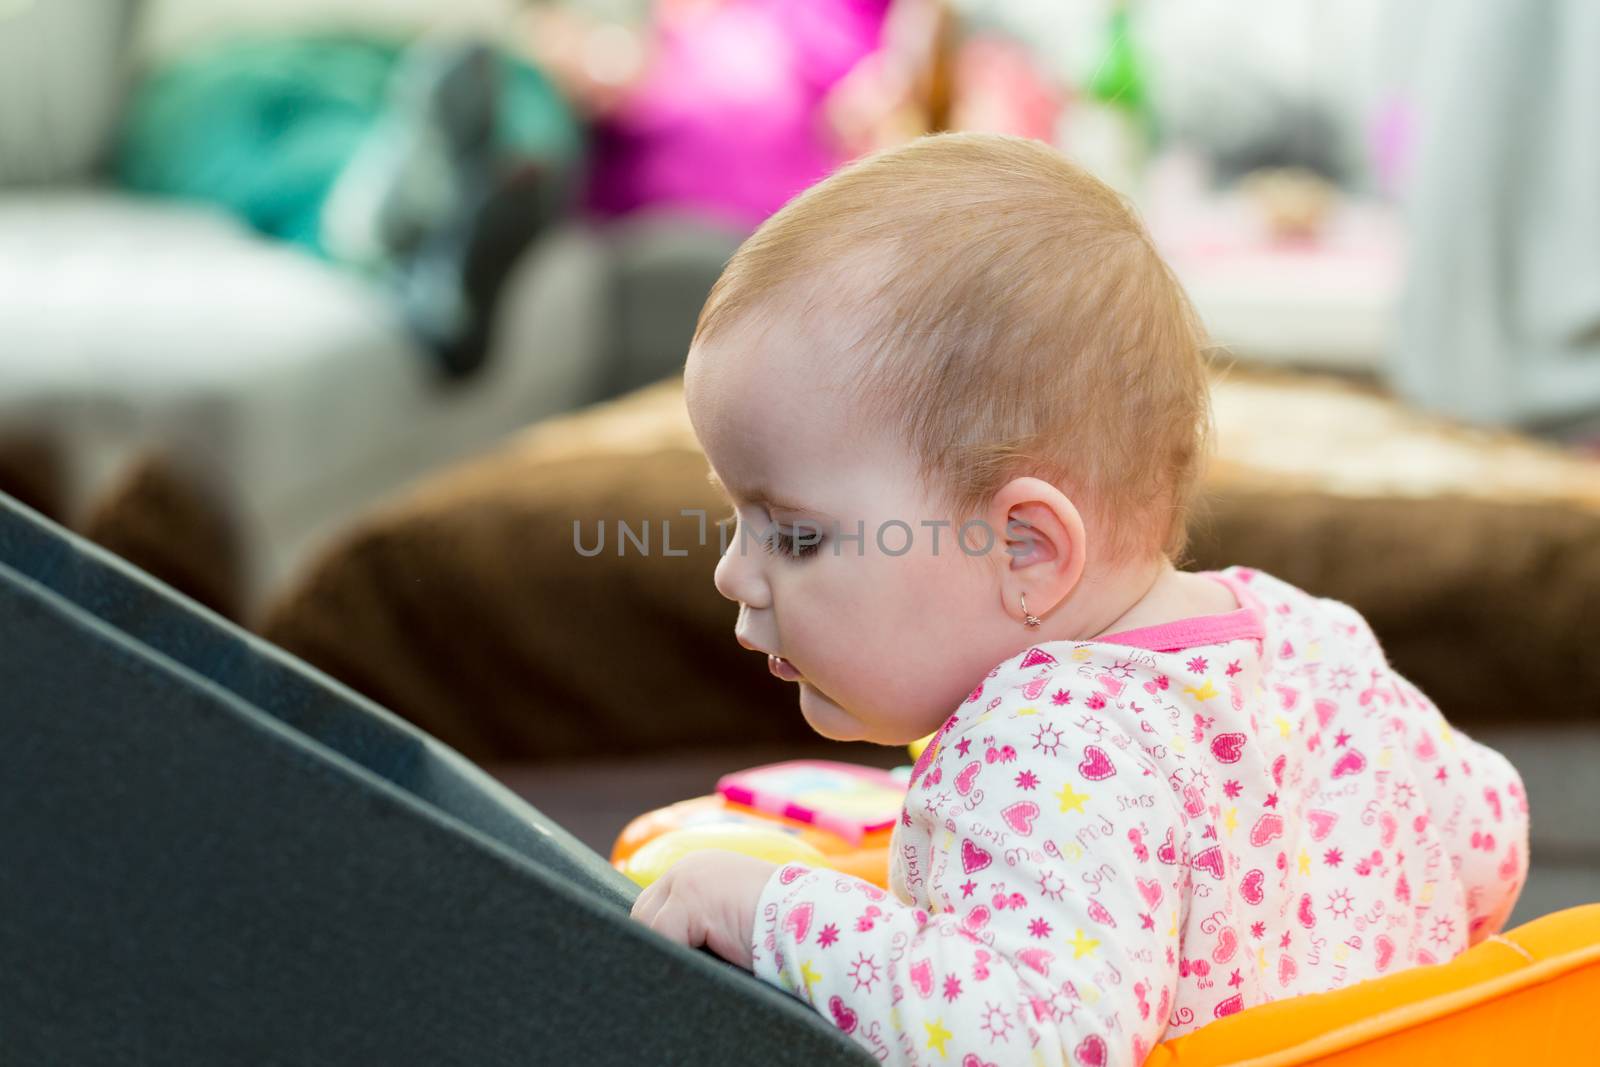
[282,383]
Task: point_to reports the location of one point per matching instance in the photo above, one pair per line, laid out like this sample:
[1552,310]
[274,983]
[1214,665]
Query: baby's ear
[1040,542]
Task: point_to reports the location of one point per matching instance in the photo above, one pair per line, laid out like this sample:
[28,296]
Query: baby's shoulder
[1064,687]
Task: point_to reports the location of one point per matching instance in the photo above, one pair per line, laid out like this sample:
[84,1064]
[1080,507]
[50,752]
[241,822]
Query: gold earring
[1027,619]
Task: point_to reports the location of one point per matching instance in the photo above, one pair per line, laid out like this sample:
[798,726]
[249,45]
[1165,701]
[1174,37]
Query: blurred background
[337,314]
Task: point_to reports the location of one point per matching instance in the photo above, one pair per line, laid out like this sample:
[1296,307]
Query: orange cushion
[1529,995]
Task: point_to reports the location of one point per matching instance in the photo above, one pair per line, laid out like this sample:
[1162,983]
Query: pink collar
[1180,634]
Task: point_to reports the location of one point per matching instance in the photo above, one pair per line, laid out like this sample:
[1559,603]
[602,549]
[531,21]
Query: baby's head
[967,330]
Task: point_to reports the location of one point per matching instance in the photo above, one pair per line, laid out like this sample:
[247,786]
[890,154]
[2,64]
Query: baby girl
[960,406]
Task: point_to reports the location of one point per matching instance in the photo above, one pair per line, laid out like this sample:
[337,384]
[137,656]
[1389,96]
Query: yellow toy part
[916,747]
[654,857]
[1525,996]
[868,861]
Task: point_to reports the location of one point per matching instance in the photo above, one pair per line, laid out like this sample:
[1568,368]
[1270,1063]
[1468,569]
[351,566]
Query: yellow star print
[1204,691]
[1282,724]
[809,976]
[1071,801]
[1231,820]
[1082,946]
[1305,862]
[1027,711]
[937,1035]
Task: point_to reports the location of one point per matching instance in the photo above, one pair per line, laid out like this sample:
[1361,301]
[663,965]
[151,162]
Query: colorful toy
[651,860]
[841,798]
[843,812]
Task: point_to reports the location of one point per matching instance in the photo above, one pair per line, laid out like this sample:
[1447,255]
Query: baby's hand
[708,898]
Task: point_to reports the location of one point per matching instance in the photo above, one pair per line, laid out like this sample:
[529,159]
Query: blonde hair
[1015,319]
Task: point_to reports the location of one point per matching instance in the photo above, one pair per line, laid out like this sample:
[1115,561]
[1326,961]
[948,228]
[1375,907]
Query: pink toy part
[842,798]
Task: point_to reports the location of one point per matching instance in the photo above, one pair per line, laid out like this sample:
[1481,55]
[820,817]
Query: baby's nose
[737,578]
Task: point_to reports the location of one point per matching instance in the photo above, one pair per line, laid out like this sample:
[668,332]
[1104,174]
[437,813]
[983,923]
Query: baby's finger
[648,902]
[672,921]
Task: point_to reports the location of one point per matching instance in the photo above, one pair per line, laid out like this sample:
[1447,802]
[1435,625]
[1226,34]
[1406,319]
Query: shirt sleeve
[1053,899]
[1477,800]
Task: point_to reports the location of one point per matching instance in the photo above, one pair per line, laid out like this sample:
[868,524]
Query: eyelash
[792,548]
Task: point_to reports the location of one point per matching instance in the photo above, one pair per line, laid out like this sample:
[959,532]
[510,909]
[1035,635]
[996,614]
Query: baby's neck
[1133,597]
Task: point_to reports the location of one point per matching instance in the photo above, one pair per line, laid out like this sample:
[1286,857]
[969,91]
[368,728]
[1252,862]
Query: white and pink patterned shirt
[1116,841]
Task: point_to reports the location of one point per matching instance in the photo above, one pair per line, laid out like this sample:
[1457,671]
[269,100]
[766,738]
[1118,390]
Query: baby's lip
[782,668]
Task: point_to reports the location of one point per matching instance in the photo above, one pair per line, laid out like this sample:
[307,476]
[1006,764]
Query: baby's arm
[1053,931]
[1476,800]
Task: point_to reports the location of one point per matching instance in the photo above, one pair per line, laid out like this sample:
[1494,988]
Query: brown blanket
[465,606]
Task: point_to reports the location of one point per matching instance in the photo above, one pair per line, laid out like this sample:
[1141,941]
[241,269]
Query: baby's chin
[827,718]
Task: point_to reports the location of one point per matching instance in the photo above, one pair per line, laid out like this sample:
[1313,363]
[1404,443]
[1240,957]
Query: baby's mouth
[783,668]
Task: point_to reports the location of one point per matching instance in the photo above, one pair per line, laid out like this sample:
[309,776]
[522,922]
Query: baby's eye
[803,542]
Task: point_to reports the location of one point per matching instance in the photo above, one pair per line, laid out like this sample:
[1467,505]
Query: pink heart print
[798,922]
[1426,752]
[1325,711]
[1112,686]
[974,858]
[1227,945]
[1228,1007]
[1385,951]
[1095,765]
[1227,748]
[1287,969]
[965,778]
[1150,890]
[1387,825]
[1250,886]
[1322,822]
[1031,690]
[1091,1051]
[1020,816]
[922,978]
[1035,657]
[1098,912]
[1306,915]
[1268,827]
[1037,959]
[1210,861]
[1168,851]
[1277,770]
[1352,762]
[843,1017]
[976,919]
[972,697]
